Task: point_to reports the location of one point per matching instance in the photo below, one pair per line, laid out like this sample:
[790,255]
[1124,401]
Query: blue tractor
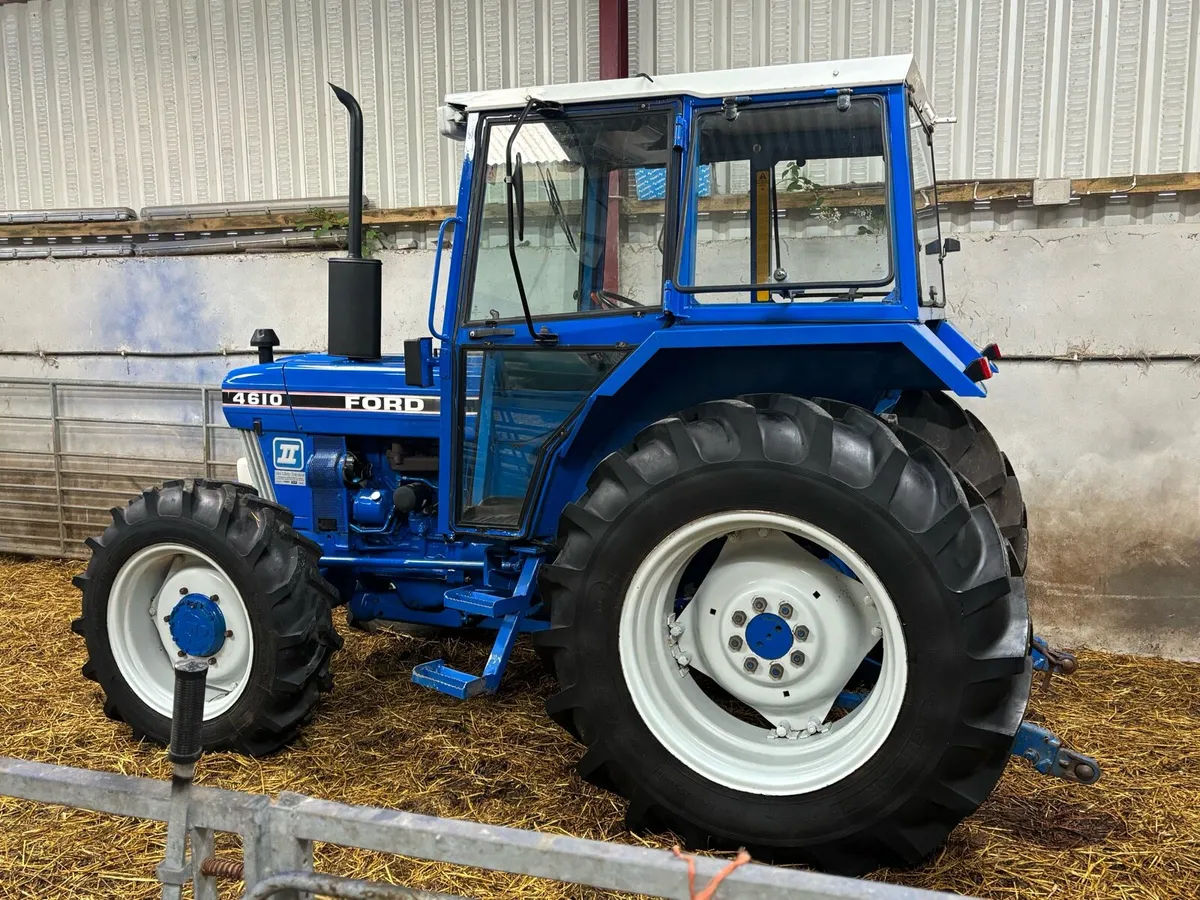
[687,422]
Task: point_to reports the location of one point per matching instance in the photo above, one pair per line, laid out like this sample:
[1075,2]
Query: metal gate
[72,450]
[277,837]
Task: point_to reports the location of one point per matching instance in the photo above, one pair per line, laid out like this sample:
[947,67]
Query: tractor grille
[325,478]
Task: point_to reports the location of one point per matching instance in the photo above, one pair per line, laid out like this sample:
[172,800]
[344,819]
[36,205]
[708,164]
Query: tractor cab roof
[810,76]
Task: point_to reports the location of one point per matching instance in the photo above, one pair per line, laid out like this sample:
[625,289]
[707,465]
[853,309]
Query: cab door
[583,253]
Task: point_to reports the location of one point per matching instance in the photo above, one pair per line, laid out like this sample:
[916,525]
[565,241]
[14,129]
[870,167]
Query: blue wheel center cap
[768,636]
[197,625]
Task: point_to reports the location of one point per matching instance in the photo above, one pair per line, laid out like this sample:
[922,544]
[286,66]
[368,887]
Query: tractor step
[482,602]
[440,676]
[437,674]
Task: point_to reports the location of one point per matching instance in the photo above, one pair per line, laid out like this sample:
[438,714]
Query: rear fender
[680,367]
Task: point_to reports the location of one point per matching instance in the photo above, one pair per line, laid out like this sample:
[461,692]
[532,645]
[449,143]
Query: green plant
[796,181]
[329,222]
[872,215]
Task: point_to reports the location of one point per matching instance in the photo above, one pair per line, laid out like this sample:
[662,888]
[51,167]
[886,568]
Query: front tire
[933,735]
[220,540]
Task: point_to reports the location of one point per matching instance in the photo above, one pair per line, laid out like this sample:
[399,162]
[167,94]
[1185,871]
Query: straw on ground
[378,739]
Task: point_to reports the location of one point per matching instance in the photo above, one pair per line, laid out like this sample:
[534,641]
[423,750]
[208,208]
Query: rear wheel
[776,627]
[972,452]
[211,570]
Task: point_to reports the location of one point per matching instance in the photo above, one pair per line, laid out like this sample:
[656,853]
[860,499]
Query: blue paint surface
[768,636]
[198,625]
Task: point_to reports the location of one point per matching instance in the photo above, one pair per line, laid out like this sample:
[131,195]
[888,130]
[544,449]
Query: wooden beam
[948,192]
[412,215]
[1137,184]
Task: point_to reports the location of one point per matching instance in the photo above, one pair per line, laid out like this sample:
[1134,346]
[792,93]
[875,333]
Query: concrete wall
[1107,451]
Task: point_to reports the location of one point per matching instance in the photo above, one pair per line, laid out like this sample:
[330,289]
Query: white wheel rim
[759,560]
[144,592]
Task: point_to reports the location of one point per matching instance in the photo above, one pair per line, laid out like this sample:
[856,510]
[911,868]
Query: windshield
[925,205]
[594,208]
[792,200]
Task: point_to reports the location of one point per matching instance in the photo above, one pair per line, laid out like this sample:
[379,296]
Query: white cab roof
[811,76]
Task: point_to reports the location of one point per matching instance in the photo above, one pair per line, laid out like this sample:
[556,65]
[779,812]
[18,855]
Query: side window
[798,202]
[516,401]
[932,291]
[594,215]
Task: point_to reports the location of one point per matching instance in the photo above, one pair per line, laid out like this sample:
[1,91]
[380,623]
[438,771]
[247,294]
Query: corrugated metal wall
[1042,88]
[140,102]
[144,102]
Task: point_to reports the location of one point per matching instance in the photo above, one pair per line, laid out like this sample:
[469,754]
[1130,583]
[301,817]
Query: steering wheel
[613,300]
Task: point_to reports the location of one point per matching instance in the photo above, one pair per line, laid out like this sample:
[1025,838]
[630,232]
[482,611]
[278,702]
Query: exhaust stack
[355,284]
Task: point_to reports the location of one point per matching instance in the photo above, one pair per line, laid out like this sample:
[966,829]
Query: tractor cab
[727,210]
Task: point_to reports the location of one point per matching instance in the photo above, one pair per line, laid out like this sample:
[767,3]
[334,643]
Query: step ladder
[490,604]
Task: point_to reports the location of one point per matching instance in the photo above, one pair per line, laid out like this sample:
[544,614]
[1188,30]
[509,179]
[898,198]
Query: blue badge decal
[288,453]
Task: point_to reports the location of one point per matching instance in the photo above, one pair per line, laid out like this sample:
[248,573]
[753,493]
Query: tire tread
[919,490]
[295,598]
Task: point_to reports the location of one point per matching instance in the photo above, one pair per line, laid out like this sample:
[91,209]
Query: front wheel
[776,626]
[210,570]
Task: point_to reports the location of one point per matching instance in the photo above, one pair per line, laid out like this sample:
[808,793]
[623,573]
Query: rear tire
[934,547]
[972,452]
[229,534]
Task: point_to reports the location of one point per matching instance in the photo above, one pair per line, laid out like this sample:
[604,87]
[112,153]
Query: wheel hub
[768,636]
[777,628]
[146,636]
[198,625]
[832,621]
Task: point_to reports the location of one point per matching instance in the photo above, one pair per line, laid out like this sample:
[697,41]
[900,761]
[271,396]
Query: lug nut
[212,660]
[785,610]
[215,599]
[801,632]
[759,604]
[229,633]
[797,658]
[776,671]
[735,643]
[183,592]
[181,654]
[751,664]
[739,618]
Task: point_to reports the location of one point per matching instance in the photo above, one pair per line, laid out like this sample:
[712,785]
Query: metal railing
[71,450]
[277,839]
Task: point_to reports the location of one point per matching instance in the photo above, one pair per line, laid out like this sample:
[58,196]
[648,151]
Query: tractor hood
[324,394]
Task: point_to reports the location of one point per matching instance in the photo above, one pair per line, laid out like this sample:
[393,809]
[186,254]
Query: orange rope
[707,892]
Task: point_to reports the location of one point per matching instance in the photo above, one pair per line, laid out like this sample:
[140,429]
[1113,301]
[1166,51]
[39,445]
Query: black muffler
[355,284]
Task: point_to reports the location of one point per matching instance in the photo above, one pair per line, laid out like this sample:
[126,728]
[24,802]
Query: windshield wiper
[556,206]
[515,184]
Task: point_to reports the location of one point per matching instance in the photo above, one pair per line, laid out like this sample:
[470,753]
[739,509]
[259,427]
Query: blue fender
[858,363]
